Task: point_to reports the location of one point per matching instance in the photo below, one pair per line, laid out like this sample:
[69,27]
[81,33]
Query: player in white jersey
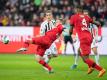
[48,24]
[94,30]
[94,45]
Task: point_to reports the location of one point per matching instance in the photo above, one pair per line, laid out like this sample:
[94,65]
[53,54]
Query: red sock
[99,68]
[91,63]
[42,62]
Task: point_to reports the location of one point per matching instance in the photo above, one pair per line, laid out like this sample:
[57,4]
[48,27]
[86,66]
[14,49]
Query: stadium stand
[30,12]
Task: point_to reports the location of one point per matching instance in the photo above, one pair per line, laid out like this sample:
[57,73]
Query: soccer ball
[5,40]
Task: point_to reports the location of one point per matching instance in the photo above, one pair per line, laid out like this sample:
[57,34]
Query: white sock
[46,58]
[76,59]
[97,59]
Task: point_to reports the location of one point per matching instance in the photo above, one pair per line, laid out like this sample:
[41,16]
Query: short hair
[79,8]
[85,10]
[47,11]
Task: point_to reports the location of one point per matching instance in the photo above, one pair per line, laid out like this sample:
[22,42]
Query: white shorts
[52,49]
[94,44]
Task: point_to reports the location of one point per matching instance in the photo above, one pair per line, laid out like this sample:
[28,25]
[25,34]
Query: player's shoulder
[43,23]
[87,16]
[73,15]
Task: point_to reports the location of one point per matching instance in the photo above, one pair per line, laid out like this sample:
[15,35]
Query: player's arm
[42,29]
[72,24]
[71,31]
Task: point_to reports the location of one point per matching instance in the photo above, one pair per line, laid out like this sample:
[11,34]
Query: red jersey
[54,33]
[81,24]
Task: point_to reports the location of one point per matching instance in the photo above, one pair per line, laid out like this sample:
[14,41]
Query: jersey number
[84,22]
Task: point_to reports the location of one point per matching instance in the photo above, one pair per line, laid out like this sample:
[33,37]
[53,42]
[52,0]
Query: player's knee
[55,55]
[37,58]
[95,51]
[85,58]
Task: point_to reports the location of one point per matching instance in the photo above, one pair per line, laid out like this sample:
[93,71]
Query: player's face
[85,12]
[49,16]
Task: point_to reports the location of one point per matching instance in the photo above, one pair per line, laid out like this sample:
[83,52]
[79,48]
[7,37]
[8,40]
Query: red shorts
[43,43]
[41,50]
[85,46]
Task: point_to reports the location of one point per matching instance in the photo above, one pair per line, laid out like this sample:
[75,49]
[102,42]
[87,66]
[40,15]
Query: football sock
[46,58]
[76,58]
[91,63]
[97,59]
[42,62]
[99,68]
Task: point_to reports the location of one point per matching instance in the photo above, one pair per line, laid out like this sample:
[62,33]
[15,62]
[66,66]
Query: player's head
[48,15]
[78,9]
[86,12]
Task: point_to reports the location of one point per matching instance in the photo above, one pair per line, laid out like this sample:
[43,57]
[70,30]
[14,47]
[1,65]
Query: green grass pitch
[24,67]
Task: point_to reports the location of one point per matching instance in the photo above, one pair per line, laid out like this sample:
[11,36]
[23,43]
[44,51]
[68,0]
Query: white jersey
[47,26]
[94,31]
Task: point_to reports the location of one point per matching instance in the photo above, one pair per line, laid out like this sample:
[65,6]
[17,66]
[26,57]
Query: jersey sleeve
[42,29]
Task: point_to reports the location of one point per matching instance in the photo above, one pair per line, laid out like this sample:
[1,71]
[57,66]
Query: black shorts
[68,39]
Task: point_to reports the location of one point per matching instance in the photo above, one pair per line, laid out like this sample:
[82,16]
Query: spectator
[30,12]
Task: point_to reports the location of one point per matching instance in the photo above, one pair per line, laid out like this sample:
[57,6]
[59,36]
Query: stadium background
[18,35]
[28,14]
[21,19]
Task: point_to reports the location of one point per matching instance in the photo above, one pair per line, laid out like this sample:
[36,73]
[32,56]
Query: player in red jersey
[44,42]
[81,24]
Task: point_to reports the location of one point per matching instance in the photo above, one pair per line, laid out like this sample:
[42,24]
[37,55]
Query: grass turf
[24,67]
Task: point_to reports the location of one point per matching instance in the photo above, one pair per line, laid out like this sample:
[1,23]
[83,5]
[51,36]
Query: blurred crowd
[31,12]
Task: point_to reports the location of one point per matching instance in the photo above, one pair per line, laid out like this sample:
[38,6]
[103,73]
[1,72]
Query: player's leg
[76,56]
[77,44]
[47,56]
[85,51]
[76,60]
[65,44]
[40,60]
[35,40]
[50,53]
[72,43]
[53,49]
[25,45]
[94,48]
[96,54]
